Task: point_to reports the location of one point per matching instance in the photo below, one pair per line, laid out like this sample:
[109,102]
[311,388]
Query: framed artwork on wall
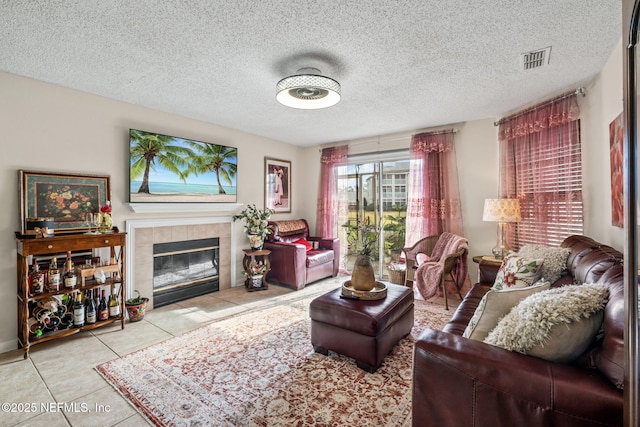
[617,197]
[277,189]
[66,198]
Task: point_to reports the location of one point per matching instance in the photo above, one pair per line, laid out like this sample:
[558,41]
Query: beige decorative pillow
[556,325]
[555,259]
[517,272]
[495,305]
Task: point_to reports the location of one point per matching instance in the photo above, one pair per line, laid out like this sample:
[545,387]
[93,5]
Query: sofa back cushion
[288,230]
[594,264]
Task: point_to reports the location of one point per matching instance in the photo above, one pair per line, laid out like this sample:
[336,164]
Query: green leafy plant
[395,227]
[255,220]
[138,299]
[362,238]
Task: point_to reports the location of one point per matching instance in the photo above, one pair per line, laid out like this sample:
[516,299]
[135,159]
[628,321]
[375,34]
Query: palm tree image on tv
[170,169]
[221,160]
[148,149]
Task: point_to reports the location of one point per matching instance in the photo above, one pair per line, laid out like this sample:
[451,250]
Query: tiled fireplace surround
[143,234]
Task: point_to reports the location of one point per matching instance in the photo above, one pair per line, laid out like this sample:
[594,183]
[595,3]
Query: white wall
[598,109]
[49,128]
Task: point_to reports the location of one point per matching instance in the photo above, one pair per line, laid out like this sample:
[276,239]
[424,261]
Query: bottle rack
[57,245]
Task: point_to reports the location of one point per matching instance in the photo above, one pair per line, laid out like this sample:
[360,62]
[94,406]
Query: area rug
[259,369]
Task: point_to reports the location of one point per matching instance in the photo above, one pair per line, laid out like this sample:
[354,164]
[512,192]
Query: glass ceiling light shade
[501,211]
[308,90]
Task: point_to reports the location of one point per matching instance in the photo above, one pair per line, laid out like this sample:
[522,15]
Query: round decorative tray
[379,291]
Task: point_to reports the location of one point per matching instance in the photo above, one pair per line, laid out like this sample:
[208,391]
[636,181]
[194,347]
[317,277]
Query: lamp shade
[501,210]
[308,90]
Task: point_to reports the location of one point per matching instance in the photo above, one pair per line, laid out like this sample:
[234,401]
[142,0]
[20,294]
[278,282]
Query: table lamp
[501,211]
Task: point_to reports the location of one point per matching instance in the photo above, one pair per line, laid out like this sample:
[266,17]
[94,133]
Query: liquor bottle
[36,279]
[90,316]
[78,312]
[103,308]
[53,276]
[114,306]
[69,275]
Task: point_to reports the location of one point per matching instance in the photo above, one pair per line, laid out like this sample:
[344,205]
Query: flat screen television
[169,169]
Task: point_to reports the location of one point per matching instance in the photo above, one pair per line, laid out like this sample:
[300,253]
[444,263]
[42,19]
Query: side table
[250,256]
[487,259]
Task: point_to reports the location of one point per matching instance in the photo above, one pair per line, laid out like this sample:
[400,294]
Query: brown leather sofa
[291,263]
[462,382]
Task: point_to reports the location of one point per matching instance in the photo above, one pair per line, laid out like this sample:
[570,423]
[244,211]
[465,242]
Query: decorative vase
[256,280]
[256,241]
[106,222]
[362,277]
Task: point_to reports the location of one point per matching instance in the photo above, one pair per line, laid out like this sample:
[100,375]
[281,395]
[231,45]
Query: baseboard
[8,346]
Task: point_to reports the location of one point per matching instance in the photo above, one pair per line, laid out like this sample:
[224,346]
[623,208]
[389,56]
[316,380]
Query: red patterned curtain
[434,197]
[540,164]
[332,204]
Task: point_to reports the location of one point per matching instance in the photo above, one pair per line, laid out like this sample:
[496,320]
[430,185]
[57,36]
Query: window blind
[544,171]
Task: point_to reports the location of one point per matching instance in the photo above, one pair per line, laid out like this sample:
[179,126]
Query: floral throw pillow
[555,259]
[517,272]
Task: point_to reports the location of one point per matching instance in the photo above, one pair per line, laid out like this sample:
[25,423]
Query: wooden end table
[250,256]
[487,259]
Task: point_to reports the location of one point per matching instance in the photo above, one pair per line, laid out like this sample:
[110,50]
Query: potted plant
[136,307]
[256,224]
[363,240]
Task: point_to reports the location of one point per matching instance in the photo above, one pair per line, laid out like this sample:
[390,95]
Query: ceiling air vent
[535,59]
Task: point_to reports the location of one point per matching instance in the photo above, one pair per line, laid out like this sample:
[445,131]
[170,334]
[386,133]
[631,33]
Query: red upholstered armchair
[295,263]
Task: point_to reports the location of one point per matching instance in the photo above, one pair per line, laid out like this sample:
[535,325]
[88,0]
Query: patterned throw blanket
[430,271]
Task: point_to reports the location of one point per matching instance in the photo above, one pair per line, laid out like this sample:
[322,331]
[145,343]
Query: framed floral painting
[277,180]
[67,198]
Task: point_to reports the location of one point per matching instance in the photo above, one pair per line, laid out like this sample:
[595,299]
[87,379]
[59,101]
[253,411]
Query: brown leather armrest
[288,263]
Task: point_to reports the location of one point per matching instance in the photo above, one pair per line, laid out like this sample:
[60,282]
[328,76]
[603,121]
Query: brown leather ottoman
[363,330]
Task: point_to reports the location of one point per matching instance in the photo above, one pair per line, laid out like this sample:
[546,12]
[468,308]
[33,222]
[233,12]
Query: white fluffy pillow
[517,272]
[494,305]
[555,259]
[557,324]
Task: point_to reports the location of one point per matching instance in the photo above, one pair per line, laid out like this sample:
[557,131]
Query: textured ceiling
[403,65]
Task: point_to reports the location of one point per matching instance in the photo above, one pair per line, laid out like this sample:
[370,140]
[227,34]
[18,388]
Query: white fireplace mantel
[212,208]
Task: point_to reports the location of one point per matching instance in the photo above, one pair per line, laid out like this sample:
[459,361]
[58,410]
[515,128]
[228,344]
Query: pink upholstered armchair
[294,259]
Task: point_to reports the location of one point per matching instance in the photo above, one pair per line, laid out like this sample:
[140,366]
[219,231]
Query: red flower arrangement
[106,208]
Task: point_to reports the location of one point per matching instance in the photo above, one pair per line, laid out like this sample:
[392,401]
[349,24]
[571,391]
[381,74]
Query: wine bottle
[78,312]
[90,309]
[69,275]
[114,306]
[103,308]
[36,279]
[53,276]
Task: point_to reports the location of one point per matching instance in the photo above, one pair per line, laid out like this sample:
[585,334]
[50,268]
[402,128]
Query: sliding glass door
[377,195]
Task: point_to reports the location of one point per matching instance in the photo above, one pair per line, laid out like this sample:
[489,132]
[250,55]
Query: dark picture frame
[277,185]
[66,198]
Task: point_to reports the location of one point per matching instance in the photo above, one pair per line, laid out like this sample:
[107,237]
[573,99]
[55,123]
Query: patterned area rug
[259,369]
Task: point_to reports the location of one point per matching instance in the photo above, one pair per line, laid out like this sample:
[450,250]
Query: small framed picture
[277,188]
[65,198]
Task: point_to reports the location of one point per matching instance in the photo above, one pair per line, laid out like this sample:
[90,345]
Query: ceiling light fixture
[308,90]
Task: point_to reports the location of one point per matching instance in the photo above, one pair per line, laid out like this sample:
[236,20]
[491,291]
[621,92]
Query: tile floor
[58,385]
